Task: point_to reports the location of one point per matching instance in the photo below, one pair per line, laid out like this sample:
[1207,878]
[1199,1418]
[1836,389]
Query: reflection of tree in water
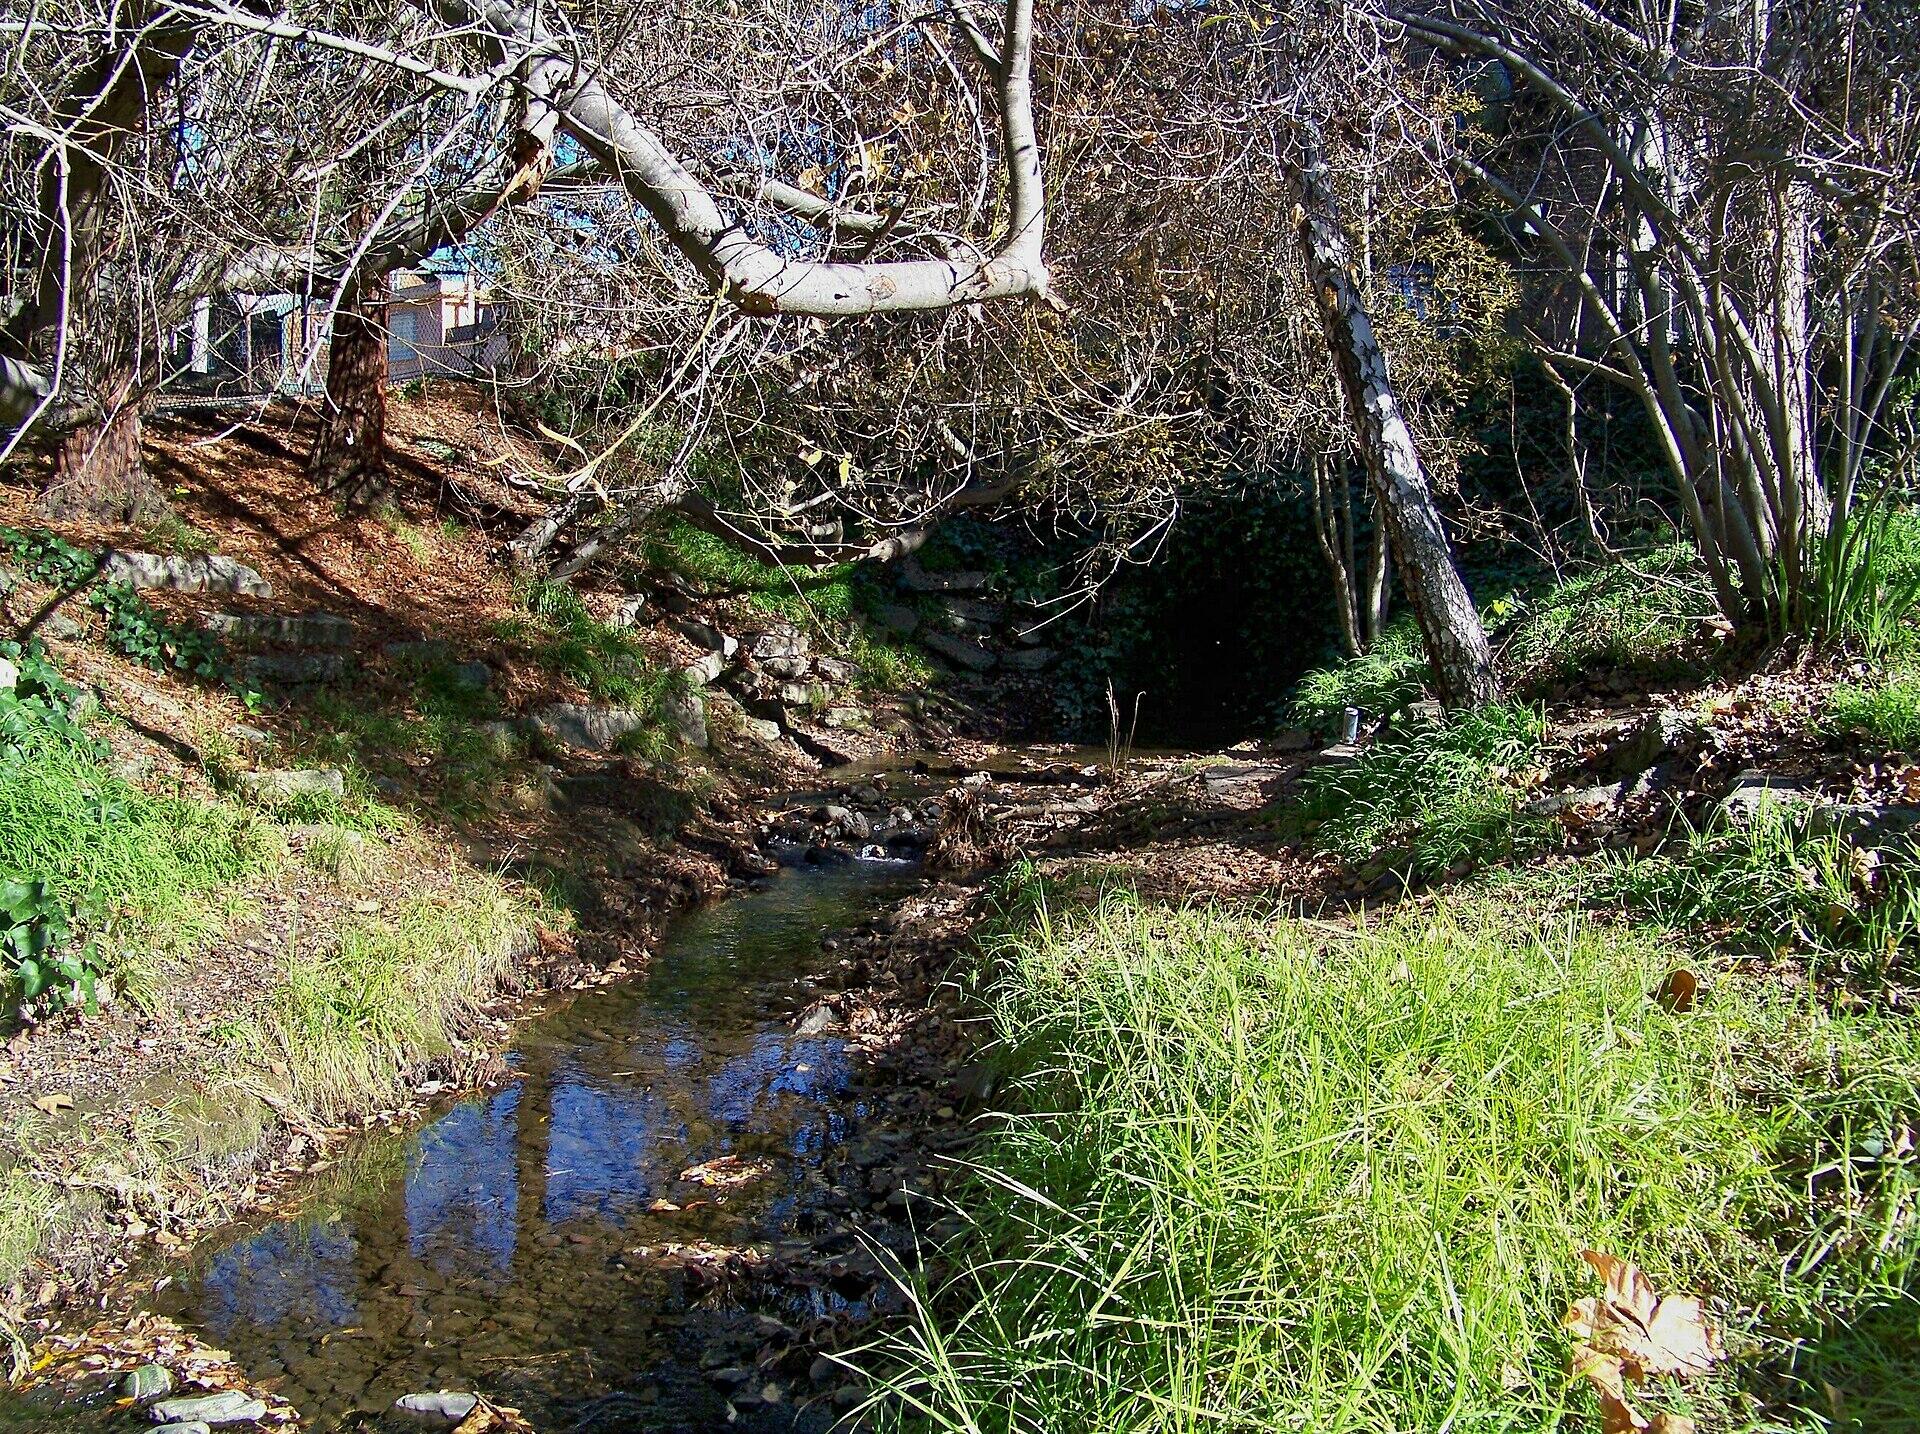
[289,1273]
[462,1187]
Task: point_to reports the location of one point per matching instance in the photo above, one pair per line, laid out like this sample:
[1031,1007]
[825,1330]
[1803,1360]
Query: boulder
[229,1406]
[295,669]
[786,667]
[918,579]
[279,788]
[706,635]
[188,575]
[628,613]
[897,617]
[472,676]
[191,1426]
[309,629]
[585,727]
[687,713]
[1654,737]
[418,651]
[783,640]
[802,694]
[1871,825]
[704,669]
[960,652]
[846,718]
[149,1381]
[1028,659]
[762,730]
[1755,792]
[977,612]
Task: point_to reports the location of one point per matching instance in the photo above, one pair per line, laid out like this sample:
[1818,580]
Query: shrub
[1635,615]
[1267,1174]
[1429,796]
[1381,680]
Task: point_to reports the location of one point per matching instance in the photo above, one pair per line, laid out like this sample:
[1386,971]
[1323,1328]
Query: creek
[545,1243]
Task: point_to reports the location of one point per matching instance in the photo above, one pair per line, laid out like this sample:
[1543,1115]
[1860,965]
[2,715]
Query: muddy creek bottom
[522,1244]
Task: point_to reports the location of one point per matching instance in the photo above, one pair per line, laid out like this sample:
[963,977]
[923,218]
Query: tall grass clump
[1383,679]
[390,992]
[1867,576]
[1431,795]
[144,874]
[1264,1174]
[1634,614]
[1771,883]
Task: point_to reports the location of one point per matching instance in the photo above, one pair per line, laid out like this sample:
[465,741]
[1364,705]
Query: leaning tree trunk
[349,454]
[1455,642]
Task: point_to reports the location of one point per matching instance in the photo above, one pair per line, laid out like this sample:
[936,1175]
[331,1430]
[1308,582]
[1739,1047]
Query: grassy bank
[299,972]
[1277,1173]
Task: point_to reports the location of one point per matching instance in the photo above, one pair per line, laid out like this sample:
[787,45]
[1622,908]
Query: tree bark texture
[1455,642]
[98,471]
[349,454]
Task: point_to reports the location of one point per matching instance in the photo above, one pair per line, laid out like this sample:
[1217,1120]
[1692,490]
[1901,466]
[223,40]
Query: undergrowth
[1381,680]
[138,875]
[831,605]
[1769,885]
[1883,707]
[1635,615]
[1271,1174]
[1421,799]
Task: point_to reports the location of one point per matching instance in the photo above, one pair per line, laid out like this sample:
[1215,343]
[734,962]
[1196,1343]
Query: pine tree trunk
[1455,642]
[98,471]
[349,454]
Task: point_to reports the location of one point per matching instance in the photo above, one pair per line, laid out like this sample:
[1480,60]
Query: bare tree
[1728,193]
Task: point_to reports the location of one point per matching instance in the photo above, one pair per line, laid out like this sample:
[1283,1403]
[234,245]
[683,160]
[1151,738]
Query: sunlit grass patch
[1421,799]
[1637,614]
[1270,1174]
[391,990]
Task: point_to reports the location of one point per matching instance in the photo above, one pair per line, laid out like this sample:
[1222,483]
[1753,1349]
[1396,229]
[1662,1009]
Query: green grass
[1390,674]
[390,991]
[1272,1174]
[608,661]
[1769,885]
[149,875]
[1635,615]
[829,604]
[26,1210]
[426,739]
[1883,709]
[1422,799]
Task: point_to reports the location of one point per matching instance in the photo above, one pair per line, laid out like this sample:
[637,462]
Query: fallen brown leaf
[1678,992]
[55,1103]
[1628,1332]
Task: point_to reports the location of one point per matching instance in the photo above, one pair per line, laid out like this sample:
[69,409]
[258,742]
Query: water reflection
[500,1250]
[456,1199]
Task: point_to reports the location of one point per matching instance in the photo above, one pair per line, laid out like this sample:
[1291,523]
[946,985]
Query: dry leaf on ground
[1628,1332]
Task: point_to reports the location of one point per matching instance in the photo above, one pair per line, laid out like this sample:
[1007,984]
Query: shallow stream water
[518,1244]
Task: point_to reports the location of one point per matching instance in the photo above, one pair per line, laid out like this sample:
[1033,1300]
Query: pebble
[445,1407]
[229,1406]
[149,1381]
